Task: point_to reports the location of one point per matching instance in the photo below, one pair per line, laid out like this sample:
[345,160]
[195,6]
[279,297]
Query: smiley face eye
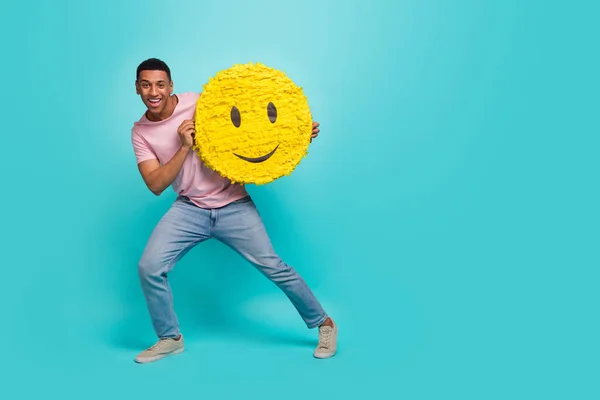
[272,112]
[236,118]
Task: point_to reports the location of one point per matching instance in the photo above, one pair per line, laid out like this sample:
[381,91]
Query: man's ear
[137,87]
[171,87]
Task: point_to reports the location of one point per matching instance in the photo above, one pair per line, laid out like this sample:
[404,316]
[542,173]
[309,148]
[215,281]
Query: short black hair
[153,64]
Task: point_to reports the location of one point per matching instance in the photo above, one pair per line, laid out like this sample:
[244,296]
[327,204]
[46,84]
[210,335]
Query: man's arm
[158,177]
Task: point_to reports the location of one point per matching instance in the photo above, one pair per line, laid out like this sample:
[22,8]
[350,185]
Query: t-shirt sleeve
[142,150]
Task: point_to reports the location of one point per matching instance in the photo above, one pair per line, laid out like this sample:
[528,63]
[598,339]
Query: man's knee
[150,267]
[276,269]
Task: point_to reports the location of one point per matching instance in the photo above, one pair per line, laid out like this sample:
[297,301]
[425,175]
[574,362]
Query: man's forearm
[162,177]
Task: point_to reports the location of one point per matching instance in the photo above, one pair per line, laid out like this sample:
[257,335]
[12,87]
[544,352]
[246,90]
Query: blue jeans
[239,226]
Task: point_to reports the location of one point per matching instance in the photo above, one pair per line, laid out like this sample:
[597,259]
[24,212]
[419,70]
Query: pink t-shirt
[159,140]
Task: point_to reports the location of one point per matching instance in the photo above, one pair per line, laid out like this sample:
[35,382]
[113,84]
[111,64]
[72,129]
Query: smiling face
[155,89]
[253,124]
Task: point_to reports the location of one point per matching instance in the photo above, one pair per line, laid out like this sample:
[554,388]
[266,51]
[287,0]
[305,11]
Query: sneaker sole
[324,355]
[158,357]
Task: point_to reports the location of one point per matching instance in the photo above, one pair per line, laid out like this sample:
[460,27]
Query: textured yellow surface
[240,96]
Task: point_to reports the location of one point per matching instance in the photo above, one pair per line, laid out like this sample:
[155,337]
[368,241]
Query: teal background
[447,215]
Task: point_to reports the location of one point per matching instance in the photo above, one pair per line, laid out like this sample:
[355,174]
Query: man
[207,206]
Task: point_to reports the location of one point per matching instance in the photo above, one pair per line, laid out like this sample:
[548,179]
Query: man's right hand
[187,132]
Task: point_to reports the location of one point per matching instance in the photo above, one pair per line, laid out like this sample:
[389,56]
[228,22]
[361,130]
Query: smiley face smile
[258,159]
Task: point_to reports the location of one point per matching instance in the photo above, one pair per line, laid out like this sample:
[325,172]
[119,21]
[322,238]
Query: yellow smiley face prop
[253,124]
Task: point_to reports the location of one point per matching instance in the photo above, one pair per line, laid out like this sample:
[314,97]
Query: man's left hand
[315,130]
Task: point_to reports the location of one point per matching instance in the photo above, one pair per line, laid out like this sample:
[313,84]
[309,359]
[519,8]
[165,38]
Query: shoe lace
[325,338]
[157,345]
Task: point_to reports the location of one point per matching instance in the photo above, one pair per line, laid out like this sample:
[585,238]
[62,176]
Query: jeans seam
[172,262]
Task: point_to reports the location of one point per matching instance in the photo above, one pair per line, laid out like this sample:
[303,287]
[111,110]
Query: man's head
[154,85]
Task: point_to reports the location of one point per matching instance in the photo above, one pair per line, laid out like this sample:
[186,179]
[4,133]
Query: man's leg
[240,226]
[179,230]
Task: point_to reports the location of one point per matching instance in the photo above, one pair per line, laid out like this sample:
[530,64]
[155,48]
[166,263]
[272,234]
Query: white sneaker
[161,349]
[327,341]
